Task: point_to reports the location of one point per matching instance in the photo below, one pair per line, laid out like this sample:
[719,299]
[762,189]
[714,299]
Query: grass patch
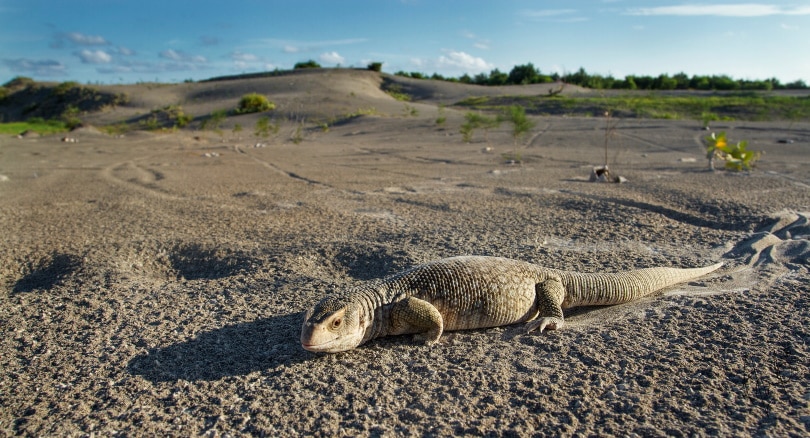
[39,126]
[732,106]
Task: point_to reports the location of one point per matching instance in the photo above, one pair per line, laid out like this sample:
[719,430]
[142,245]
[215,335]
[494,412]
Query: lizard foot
[545,323]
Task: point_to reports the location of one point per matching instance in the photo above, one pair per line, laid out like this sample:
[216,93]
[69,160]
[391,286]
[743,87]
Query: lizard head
[333,325]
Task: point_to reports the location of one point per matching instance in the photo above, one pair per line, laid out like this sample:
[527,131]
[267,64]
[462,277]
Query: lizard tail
[606,289]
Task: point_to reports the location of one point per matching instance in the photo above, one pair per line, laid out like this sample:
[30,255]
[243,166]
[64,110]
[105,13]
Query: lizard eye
[337,322]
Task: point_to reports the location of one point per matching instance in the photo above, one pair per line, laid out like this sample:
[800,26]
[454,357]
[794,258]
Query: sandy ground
[156,283]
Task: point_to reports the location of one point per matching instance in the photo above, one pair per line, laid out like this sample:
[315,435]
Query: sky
[118,41]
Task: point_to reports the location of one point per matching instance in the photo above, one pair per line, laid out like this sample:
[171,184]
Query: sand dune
[154,284]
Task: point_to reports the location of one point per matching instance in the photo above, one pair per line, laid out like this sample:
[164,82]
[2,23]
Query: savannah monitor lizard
[471,292]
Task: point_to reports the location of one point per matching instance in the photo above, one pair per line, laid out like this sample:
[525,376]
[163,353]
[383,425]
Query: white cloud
[556,15]
[85,40]
[465,62]
[547,13]
[295,46]
[244,57]
[722,10]
[94,56]
[332,58]
[45,67]
[125,51]
[179,56]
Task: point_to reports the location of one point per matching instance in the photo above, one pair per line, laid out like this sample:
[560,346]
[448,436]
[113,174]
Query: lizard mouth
[327,346]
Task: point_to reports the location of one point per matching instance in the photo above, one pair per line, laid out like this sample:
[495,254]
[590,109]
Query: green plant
[65,87]
[237,128]
[35,124]
[298,134]
[707,117]
[306,64]
[213,121]
[71,117]
[375,66]
[736,156]
[410,111]
[262,127]
[473,121]
[521,125]
[254,103]
[440,118]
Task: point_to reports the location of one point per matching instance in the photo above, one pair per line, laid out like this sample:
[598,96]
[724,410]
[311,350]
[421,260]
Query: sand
[155,284]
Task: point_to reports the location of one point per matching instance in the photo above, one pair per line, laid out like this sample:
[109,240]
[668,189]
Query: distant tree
[496,77]
[796,85]
[375,66]
[306,64]
[523,74]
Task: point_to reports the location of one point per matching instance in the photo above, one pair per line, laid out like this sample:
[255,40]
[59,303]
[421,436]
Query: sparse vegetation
[473,121]
[737,157]
[441,118]
[409,110]
[528,74]
[34,124]
[396,92]
[521,125]
[306,64]
[254,103]
[213,121]
[734,106]
[264,128]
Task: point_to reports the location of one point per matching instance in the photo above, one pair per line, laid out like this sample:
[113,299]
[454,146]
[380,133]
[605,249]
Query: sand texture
[155,283]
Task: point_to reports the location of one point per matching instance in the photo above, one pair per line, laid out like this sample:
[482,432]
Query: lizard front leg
[412,315]
[549,299]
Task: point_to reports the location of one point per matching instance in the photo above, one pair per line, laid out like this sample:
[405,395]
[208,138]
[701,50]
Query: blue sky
[117,41]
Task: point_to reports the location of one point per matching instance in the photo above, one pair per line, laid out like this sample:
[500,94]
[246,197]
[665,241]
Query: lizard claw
[545,323]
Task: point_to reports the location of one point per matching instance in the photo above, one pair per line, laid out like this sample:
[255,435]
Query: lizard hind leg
[549,299]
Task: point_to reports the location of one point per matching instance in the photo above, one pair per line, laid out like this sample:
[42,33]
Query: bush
[306,64]
[19,82]
[254,103]
[375,66]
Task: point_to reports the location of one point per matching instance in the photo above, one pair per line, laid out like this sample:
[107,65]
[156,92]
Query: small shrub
[65,87]
[306,64]
[441,118]
[521,125]
[71,117]
[375,66]
[262,127]
[475,121]
[254,103]
[19,82]
[214,120]
[737,156]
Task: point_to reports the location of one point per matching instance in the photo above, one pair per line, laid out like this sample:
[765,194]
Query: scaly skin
[471,292]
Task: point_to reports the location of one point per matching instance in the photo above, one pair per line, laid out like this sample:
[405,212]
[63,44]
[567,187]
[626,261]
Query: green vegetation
[440,117]
[264,128]
[473,121]
[254,103]
[409,110]
[306,64]
[521,125]
[375,66]
[213,121]
[395,91]
[34,124]
[730,106]
[736,156]
[528,74]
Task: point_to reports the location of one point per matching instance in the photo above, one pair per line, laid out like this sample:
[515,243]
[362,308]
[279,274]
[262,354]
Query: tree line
[529,74]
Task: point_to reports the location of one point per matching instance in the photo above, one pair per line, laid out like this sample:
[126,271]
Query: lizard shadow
[233,350]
